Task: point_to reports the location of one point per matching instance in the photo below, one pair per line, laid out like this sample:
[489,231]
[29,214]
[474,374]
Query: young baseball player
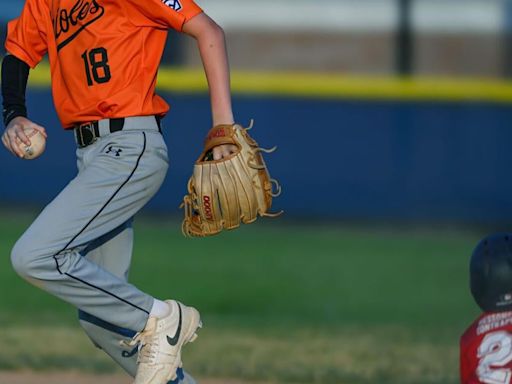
[104,56]
[486,346]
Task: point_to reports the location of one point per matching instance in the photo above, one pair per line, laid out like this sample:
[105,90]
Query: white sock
[159,309]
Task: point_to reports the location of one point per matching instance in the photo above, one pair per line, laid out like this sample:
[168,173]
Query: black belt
[88,133]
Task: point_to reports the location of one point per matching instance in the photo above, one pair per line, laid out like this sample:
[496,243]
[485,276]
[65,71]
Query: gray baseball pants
[113,252]
[79,248]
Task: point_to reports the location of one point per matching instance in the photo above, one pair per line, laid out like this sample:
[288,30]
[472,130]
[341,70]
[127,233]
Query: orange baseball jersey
[104,54]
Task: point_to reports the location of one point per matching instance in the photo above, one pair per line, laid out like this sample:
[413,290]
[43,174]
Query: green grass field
[281,303]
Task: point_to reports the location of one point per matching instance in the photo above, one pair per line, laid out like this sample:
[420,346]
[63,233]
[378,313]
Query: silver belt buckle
[87,133]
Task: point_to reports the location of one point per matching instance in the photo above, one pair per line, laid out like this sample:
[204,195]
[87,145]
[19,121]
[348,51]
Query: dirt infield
[81,378]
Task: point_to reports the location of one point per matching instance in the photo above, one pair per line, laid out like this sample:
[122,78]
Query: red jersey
[104,54]
[486,350]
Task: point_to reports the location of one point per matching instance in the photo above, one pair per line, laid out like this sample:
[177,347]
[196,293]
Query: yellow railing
[337,86]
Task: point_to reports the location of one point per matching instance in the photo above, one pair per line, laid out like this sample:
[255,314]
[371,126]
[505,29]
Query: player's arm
[14,77]
[212,48]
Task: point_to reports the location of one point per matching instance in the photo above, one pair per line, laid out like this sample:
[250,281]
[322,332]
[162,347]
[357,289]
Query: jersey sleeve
[26,37]
[161,13]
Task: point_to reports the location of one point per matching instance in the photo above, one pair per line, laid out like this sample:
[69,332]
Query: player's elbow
[216,31]
[212,36]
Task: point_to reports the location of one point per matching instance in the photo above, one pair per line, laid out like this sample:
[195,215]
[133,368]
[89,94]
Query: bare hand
[224,151]
[14,134]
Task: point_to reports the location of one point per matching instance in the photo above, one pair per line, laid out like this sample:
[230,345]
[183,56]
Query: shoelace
[147,343]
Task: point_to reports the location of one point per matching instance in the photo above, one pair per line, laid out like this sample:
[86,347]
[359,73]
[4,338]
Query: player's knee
[22,259]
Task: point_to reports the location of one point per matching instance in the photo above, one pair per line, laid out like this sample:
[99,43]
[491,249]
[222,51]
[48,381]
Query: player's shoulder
[43,3]
[470,331]
[488,322]
[38,4]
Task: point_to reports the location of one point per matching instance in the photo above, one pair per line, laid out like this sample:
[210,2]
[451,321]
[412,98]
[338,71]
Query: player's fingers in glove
[224,151]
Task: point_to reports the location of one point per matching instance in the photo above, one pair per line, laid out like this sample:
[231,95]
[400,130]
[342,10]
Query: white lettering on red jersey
[486,350]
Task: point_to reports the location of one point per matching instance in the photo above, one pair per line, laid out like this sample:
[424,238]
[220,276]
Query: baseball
[37,144]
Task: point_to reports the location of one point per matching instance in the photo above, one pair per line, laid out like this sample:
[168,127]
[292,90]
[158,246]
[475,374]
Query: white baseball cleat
[161,341]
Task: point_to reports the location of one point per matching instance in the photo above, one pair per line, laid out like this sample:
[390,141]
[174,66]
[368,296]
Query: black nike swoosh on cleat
[174,340]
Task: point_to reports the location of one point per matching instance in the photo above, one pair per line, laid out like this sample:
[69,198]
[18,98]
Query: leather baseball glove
[223,193]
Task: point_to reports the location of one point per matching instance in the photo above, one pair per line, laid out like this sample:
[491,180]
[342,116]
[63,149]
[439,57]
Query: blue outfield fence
[337,158]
